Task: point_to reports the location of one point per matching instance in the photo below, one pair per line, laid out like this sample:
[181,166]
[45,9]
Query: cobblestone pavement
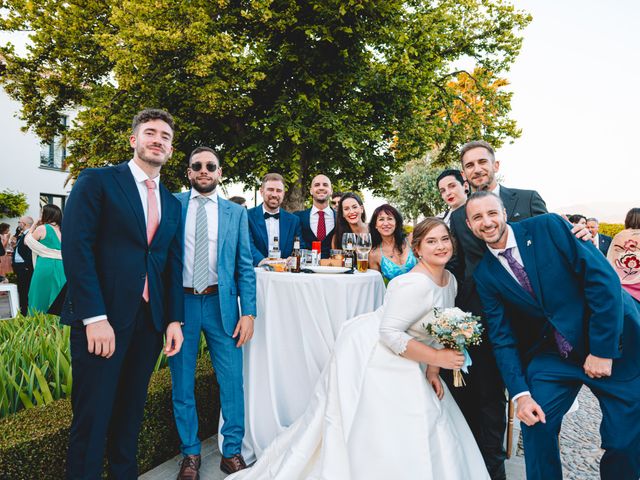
[580,439]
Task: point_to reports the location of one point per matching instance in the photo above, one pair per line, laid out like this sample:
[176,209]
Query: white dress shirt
[328,219]
[140,177]
[211,207]
[511,243]
[273,228]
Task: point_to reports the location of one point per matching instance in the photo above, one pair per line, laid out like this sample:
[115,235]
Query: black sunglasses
[197,166]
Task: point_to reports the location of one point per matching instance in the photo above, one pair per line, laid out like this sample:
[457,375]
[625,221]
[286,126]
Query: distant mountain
[608,212]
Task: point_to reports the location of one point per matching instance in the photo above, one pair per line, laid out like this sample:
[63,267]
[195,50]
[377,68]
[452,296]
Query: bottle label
[348,262]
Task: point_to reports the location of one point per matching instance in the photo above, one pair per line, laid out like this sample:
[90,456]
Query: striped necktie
[201,256]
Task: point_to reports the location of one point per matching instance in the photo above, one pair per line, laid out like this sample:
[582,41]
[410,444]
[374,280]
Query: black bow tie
[269,215]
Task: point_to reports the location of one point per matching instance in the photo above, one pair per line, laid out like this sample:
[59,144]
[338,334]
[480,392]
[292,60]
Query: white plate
[323,269]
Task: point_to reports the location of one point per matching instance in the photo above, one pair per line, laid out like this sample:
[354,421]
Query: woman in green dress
[48,272]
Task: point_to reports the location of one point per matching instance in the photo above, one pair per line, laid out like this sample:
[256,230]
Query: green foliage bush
[33,443]
[12,204]
[611,229]
[35,362]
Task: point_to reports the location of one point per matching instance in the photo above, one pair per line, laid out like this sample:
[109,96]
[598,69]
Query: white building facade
[27,165]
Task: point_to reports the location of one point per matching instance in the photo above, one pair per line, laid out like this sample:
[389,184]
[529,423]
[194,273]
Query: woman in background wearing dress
[350,218]
[5,249]
[48,273]
[390,252]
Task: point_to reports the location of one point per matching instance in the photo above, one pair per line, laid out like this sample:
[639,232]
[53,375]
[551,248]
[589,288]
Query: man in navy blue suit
[558,319]
[318,222]
[123,262]
[268,221]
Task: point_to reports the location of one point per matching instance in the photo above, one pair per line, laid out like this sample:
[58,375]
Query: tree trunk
[295,197]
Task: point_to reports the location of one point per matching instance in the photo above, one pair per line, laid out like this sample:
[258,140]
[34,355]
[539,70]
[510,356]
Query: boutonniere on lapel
[528,243]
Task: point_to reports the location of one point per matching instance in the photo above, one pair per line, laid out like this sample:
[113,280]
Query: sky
[576,99]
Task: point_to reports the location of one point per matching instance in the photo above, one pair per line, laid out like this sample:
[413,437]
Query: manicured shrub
[33,442]
[611,229]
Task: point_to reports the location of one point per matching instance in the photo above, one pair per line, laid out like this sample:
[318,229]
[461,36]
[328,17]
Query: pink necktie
[153,220]
[322,227]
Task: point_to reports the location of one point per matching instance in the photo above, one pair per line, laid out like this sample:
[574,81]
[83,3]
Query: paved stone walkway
[579,445]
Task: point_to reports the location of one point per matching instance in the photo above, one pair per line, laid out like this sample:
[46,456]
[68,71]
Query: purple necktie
[518,270]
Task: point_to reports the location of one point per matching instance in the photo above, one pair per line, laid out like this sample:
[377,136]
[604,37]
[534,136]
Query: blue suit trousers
[554,384]
[202,314]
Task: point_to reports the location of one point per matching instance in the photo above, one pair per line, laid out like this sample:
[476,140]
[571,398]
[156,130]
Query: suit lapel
[263,226]
[125,179]
[224,219]
[509,199]
[507,280]
[527,252]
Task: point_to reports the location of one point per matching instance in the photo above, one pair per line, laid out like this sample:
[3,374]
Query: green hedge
[610,229]
[33,442]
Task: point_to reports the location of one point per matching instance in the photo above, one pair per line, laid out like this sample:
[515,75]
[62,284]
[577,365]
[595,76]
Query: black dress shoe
[189,468]
[233,464]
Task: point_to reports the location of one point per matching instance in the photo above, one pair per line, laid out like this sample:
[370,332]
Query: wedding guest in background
[577,219]
[632,220]
[624,254]
[599,240]
[239,200]
[48,272]
[318,222]
[268,222]
[391,253]
[453,189]
[351,218]
[22,262]
[335,200]
[5,249]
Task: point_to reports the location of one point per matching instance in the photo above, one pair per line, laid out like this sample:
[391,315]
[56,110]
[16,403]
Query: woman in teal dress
[390,252]
[48,273]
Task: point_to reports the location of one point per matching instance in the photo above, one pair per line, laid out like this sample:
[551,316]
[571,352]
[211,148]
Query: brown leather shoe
[189,467]
[233,464]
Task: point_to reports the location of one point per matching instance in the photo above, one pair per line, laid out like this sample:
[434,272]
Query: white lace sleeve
[408,299]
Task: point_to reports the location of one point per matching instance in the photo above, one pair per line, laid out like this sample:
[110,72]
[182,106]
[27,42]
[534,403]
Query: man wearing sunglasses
[217,271]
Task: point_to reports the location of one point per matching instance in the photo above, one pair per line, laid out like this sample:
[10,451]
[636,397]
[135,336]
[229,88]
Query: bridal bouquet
[456,329]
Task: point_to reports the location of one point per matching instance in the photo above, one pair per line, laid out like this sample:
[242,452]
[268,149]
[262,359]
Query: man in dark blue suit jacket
[603,242]
[321,211]
[121,248]
[559,319]
[268,220]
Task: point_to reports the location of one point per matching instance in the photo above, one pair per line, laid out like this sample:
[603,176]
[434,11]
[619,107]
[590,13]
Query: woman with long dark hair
[48,272]
[350,218]
[390,252]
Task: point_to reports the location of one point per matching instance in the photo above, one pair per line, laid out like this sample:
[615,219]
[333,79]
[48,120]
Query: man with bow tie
[268,222]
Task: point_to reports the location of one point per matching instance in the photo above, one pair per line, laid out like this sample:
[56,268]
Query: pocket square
[516,215]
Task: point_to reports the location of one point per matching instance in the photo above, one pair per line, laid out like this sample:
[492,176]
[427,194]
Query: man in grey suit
[217,276]
[483,401]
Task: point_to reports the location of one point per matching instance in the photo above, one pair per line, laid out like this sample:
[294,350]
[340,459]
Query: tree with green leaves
[415,193]
[12,204]
[350,88]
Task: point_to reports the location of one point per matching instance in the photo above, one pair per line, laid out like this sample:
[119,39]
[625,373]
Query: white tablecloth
[299,317]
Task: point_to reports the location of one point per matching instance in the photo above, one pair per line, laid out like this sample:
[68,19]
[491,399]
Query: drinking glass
[348,240]
[363,243]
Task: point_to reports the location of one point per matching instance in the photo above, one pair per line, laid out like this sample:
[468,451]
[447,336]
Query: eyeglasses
[197,166]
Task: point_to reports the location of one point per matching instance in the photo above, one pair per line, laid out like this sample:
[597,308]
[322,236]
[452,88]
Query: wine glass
[363,243]
[348,241]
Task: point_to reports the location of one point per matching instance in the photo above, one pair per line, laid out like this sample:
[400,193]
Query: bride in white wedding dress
[373,414]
